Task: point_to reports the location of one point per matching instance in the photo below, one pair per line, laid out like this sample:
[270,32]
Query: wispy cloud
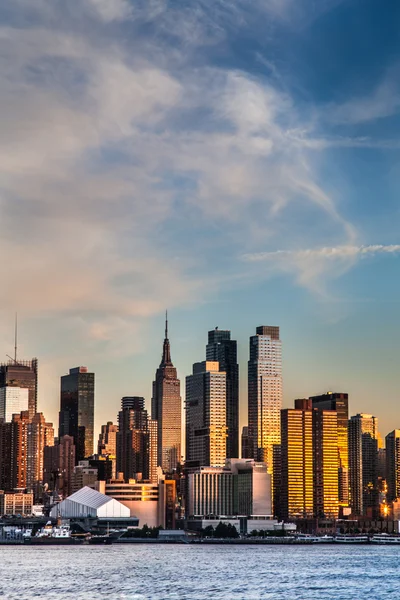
[340,252]
[382,102]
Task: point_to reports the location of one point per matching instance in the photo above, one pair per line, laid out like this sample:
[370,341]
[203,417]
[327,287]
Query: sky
[234,161]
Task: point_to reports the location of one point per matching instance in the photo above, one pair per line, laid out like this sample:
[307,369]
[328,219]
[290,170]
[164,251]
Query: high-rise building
[393,465]
[18,445]
[58,465]
[22,448]
[297,478]
[222,349]
[13,400]
[338,402]
[39,434]
[107,444]
[153,451]
[363,456]
[22,374]
[206,429]
[325,460]
[308,458]
[133,439]
[245,443]
[77,410]
[166,409]
[265,397]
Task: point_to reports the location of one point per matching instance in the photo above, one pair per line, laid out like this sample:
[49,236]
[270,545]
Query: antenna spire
[16,338]
[166,324]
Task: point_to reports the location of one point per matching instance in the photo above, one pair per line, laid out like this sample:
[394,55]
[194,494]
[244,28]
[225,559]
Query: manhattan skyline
[236,165]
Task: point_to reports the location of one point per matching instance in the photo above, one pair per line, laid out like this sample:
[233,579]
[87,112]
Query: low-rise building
[152,503]
[16,503]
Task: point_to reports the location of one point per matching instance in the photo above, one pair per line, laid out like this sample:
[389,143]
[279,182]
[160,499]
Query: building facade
[392,456]
[242,487]
[325,464]
[22,374]
[13,400]
[222,349]
[339,402]
[58,465]
[40,433]
[363,457]
[77,410]
[133,439]
[206,430]
[166,409]
[296,499]
[265,393]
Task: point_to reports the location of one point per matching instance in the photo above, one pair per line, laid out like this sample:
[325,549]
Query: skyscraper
[77,410]
[338,402]
[222,349]
[58,465]
[325,461]
[40,433]
[363,457]
[245,443]
[22,374]
[265,393]
[393,465]
[206,429]
[166,410]
[296,481]
[133,439]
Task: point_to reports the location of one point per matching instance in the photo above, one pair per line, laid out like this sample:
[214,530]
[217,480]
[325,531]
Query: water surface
[182,572]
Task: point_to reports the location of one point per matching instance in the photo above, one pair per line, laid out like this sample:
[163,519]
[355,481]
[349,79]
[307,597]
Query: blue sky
[235,162]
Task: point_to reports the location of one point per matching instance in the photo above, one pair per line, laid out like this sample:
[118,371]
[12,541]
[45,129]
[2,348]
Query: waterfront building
[89,503]
[152,503]
[363,456]
[166,409]
[339,402]
[133,439]
[206,430]
[16,503]
[393,465]
[13,400]
[265,393]
[241,487]
[22,374]
[77,410]
[58,465]
[222,349]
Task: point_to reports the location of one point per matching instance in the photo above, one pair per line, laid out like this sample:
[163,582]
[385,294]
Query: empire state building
[166,409]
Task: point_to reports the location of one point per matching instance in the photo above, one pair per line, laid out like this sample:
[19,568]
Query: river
[185,572]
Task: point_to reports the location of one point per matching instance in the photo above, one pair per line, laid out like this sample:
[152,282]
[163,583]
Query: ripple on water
[174,572]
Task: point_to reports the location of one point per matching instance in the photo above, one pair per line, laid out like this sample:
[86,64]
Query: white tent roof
[89,497]
[89,503]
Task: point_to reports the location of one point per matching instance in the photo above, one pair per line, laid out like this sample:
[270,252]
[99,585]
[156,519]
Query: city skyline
[236,164]
[102,414]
